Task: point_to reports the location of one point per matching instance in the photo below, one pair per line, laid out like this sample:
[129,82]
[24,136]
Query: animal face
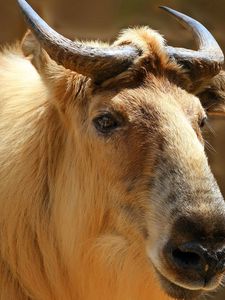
[134,150]
[144,147]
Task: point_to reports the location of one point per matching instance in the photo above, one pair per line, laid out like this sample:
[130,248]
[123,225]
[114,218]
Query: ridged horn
[209,52]
[100,63]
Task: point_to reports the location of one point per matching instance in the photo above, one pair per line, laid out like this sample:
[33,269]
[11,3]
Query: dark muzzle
[196,250]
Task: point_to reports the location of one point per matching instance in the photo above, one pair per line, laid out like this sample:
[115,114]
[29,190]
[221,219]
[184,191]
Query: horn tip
[161,7]
[23,5]
[21,2]
[167,9]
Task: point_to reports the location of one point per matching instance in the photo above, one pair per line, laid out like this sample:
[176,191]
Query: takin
[105,188]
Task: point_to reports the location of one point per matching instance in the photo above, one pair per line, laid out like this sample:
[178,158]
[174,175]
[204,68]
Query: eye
[106,123]
[203,122]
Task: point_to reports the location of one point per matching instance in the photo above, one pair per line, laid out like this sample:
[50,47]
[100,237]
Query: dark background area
[103,19]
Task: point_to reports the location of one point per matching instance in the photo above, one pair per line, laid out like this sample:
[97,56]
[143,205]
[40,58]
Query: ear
[31,49]
[213,95]
[54,75]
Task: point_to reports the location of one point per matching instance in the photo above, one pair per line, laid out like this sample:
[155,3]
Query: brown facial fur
[213,95]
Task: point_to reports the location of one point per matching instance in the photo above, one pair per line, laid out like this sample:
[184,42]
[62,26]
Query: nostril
[195,260]
[186,259]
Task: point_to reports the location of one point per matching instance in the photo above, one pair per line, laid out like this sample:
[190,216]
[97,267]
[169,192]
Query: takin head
[134,111]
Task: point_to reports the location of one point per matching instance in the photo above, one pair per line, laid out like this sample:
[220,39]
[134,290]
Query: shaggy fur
[77,210]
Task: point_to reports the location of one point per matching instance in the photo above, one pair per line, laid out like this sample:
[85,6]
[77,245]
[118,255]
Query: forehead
[154,97]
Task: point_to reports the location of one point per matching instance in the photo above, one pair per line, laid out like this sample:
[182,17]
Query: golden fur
[73,206]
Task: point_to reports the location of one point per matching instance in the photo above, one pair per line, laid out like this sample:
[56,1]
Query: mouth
[175,291]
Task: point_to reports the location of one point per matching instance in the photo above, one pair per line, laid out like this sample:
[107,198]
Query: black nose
[195,258]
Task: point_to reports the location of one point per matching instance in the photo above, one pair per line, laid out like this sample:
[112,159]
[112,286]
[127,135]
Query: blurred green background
[103,19]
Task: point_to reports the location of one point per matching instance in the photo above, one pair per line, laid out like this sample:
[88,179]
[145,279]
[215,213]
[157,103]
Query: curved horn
[208,51]
[100,63]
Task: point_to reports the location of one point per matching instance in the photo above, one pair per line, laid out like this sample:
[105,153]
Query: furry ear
[213,96]
[54,75]
[31,49]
